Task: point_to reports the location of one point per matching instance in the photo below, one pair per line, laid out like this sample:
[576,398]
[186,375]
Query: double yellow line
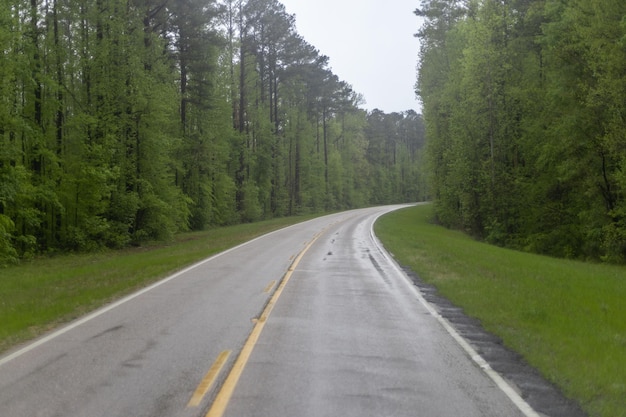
[228,388]
[209,379]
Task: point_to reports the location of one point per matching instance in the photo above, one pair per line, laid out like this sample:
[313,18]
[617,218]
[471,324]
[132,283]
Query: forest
[524,107]
[126,121]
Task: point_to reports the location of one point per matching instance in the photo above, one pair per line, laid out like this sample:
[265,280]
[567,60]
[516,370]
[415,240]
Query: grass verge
[567,318]
[39,295]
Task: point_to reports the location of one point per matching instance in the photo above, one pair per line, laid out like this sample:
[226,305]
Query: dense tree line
[123,121]
[525,113]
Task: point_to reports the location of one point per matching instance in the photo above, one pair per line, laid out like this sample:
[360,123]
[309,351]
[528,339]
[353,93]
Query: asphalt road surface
[312,320]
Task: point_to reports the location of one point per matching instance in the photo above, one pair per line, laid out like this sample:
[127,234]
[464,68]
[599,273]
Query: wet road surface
[312,320]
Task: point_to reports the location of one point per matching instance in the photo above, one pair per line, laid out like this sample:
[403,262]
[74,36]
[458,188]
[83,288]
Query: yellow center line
[209,379]
[226,392]
[269,286]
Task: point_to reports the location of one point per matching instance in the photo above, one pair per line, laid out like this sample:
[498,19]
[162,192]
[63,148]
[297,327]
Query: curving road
[311,320]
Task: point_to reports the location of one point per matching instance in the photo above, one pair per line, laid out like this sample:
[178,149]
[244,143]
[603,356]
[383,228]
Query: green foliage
[126,122]
[523,104]
[7,252]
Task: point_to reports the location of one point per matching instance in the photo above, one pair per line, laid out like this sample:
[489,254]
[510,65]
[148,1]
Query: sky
[370,44]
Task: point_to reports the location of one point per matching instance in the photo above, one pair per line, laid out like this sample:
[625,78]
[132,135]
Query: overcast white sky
[370,44]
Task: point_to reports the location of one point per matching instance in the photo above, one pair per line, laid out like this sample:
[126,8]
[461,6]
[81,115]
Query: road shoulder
[540,394]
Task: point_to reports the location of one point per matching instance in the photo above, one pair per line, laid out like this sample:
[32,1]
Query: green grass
[38,295]
[567,318]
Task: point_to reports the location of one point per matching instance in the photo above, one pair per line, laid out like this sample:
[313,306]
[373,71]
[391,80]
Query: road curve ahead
[311,320]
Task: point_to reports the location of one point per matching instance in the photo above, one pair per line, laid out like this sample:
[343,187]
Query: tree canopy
[123,121]
[524,110]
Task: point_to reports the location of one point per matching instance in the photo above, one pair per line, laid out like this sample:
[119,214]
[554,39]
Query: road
[312,320]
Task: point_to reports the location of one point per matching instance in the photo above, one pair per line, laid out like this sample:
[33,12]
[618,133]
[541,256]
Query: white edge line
[38,342]
[504,386]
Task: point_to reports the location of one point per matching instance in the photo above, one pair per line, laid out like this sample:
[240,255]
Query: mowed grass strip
[39,295]
[567,318]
